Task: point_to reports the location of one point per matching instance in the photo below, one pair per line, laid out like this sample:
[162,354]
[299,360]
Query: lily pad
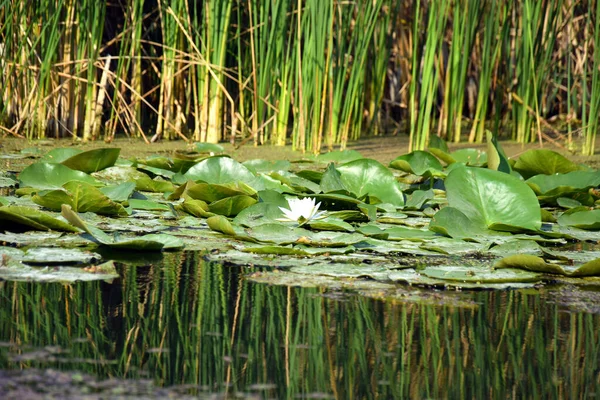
[22,272]
[55,255]
[151,242]
[543,161]
[479,274]
[589,220]
[222,170]
[93,160]
[534,263]
[19,218]
[369,177]
[493,200]
[82,197]
[52,176]
[419,163]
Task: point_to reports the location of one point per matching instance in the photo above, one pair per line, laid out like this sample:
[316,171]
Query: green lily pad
[231,206]
[6,182]
[150,242]
[140,204]
[537,264]
[452,222]
[119,193]
[52,176]
[479,274]
[543,161]
[419,163]
[22,272]
[55,255]
[550,187]
[57,156]
[19,218]
[93,160]
[209,148]
[258,214]
[493,200]
[330,224]
[369,177]
[221,170]
[589,220]
[210,192]
[474,157]
[82,197]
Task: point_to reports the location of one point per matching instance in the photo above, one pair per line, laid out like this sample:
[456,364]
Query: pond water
[204,329]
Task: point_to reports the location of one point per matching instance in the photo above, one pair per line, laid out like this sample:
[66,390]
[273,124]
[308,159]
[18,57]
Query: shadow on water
[184,321]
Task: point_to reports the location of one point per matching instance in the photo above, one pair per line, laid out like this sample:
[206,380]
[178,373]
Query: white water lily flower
[301,210]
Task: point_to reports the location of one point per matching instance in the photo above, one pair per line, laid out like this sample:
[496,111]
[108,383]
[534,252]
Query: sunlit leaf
[543,161]
[93,160]
[492,199]
[51,176]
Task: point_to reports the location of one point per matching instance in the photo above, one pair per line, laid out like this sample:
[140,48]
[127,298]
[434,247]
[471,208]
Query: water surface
[183,321]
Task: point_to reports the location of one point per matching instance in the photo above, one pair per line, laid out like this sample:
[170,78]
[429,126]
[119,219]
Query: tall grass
[306,72]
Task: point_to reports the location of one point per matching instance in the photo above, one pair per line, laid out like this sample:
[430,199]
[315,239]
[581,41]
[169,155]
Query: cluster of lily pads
[463,219]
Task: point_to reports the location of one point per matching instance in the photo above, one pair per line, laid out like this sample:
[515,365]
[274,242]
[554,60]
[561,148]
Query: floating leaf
[52,176]
[589,220]
[209,148]
[231,206]
[419,163]
[550,187]
[369,177]
[22,272]
[210,192]
[19,218]
[265,166]
[222,170]
[93,160]
[258,214]
[151,242]
[82,197]
[493,199]
[139,204]
[119,193]
[474,157]
[479,274]
[537,264]
[543,161]
[221,224]
[58,155]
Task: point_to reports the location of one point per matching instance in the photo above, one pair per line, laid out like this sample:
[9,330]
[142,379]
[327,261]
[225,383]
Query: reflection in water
[186,321]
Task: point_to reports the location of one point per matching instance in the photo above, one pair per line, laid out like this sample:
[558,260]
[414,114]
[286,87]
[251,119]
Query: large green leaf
[537,264]
[543,161]
[222,170]
[93,160]
[450,221]
[151,242]
[478,274]
[418,163]
[497,159]
[258,214]
[583,219]
[493,199]
[51,176]
[231,206]
[59,155]
[18,218]
[82,197]
[551,187]
[369,177]
[210,192]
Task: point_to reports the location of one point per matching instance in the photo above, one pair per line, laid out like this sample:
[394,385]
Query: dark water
[183,321]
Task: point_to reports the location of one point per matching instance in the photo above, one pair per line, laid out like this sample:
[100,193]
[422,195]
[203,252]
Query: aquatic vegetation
[465,219]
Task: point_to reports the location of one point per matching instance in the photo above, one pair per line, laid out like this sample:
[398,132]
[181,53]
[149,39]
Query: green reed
[306,71]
